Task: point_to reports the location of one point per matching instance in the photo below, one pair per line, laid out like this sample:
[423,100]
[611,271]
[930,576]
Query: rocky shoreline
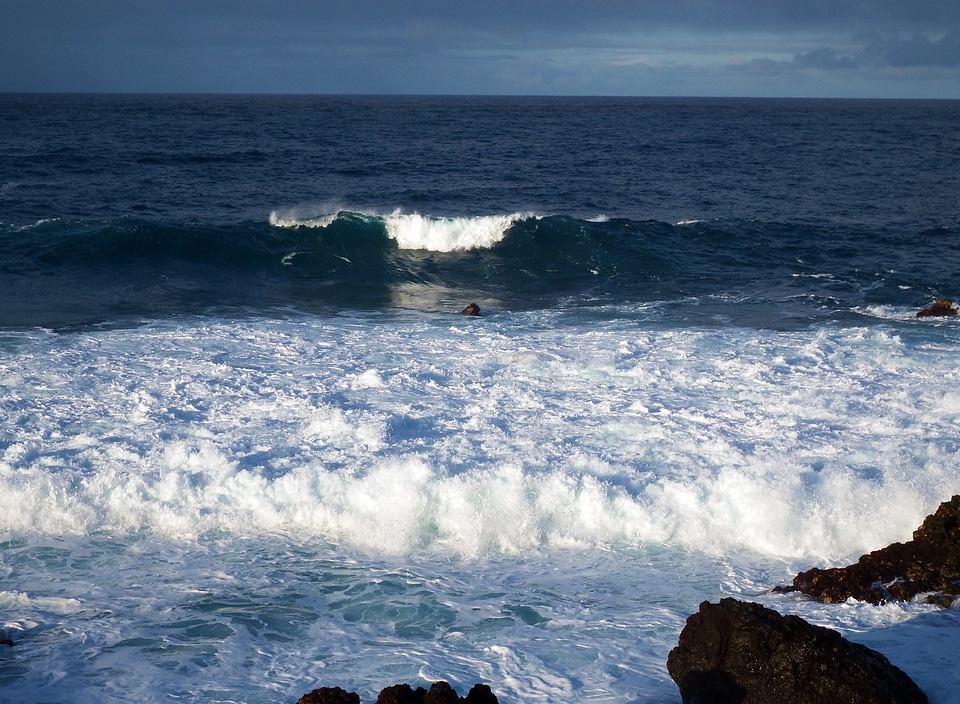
[926,567]
[737,652]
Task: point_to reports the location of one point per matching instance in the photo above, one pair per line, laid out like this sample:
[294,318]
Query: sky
[748,48]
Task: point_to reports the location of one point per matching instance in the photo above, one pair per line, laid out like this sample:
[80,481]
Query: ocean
[249,446]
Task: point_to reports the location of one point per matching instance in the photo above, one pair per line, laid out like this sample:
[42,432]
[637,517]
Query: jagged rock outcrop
[329,695]
[926,567]
[738,652]
[939,308]
[439,693]
[401,694]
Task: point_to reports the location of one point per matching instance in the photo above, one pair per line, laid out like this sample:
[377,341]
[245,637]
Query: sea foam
[291,220]
[470,440]
[415,231]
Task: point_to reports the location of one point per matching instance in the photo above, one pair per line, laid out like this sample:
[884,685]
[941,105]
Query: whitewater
[413,231]
[249,446]
[534,500]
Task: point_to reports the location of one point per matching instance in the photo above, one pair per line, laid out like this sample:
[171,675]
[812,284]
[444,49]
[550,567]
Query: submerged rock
[926,567]
[439,693]
[738,652]
[939,308]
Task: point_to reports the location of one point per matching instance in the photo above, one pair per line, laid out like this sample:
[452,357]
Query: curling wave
[416,231]
[741,273]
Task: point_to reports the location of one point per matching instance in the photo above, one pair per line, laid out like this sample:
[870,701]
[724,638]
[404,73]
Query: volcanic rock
[481,694]
[330,695]
[439,693]
[926,567]
[738,652]
[401,694]
[939,308]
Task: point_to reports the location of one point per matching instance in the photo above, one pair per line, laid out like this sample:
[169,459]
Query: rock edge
[739,652]
[439,693]
[926,567]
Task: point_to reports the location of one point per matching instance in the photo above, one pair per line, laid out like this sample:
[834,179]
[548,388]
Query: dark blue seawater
[756,212]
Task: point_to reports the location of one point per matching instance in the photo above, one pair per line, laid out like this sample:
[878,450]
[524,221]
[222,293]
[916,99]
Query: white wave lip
[292,221]
[415,231]
[422,232]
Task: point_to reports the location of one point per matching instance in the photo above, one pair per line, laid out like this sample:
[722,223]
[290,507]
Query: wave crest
[292,222]
[414,231]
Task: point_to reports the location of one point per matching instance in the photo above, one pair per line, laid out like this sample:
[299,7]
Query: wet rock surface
[739,652]
[939,309]
[926,567]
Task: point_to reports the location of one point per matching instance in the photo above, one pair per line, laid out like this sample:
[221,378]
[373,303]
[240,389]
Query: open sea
[249,446]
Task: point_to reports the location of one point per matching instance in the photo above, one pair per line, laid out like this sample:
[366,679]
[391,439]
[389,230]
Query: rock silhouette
[439,693]
[329,695]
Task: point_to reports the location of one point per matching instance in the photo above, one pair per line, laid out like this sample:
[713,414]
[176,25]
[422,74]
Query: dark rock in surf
[481,694]
[472,309]
[329,695]
[939,308]
[439,693]
[401,694]
[738,652]
[7,642]
[926,567]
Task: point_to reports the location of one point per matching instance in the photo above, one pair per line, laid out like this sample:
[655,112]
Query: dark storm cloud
[916,51]
[826,59]
[604,46]
[573,16]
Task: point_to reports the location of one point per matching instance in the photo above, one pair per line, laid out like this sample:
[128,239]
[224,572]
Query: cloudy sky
[797,48]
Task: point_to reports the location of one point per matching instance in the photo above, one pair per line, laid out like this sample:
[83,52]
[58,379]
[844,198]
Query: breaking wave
[717,273]
[416,231]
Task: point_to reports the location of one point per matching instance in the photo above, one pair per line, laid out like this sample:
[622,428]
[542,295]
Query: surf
[415,231]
